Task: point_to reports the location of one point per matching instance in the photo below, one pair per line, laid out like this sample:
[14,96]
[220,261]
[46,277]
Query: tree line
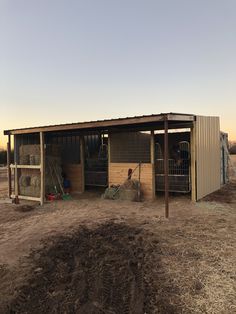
[3,157]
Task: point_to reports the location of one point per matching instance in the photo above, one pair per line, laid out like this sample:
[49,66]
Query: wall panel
[207,155]
[118,173]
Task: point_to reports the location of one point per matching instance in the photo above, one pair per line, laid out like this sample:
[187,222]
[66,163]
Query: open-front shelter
[176,153]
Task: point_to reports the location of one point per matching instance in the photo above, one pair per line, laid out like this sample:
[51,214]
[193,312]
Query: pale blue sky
[66,60]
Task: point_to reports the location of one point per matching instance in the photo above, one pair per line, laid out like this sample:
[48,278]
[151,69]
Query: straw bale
[24,181]
[128,194]
[37,159]
[29,150]
[35,181]
[32,159]
[24,160]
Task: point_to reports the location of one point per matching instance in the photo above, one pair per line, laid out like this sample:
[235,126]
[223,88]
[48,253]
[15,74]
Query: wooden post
[16,184]
[8,165]
[152,143]
[16,181]
[193,163]
[82,162]
[166,167]
[42,168]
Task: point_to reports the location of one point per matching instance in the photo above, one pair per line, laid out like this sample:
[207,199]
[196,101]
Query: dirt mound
[97,270]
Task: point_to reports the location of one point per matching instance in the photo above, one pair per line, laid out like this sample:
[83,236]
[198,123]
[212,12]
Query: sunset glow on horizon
[72,61]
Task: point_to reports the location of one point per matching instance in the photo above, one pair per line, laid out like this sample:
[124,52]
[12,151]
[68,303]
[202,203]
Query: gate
[179,168]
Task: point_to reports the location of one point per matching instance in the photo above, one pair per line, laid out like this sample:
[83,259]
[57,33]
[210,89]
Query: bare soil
[89,255]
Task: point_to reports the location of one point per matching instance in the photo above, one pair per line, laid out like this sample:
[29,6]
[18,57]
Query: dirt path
[187,263]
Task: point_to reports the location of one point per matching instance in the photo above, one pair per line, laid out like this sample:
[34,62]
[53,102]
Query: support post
[8,165]
[16,181]
[82,162]
[16,184]
[42,168]
[193,163]
[152,143]
[166,167]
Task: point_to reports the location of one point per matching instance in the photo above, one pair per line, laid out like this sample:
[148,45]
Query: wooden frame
[25,166]
[148,123]
[9,165]
[27,198]
[42,168]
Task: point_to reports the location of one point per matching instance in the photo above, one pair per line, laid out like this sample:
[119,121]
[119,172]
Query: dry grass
[189,262]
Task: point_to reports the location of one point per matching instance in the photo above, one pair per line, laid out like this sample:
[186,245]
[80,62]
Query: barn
[173,152]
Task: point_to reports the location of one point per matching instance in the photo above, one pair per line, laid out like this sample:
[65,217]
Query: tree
[232,149]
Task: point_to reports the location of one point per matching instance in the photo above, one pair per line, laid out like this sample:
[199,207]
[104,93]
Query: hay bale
[22,190]
[32,160]
[111,193]
[29,150]
[32,191]
[24,159]
[24,181]
[127,191]
[37,159]
[128,194]
[131,184]
[36,181]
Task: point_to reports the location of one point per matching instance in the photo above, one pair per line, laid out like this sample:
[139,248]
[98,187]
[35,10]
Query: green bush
[3,157]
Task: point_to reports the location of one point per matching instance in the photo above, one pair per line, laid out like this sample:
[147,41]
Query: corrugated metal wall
[208,162]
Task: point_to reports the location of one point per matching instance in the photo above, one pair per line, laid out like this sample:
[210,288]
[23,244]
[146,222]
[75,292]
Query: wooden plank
[16,182]
[28,198]
[26,166]
[74,174]
[42,168]
[16,186]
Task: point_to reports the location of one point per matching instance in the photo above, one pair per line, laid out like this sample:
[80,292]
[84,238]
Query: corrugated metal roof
[73,125]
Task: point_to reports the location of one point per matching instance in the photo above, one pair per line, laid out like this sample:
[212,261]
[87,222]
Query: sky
[65,61]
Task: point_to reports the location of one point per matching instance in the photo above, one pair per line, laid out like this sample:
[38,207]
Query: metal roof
[107,123]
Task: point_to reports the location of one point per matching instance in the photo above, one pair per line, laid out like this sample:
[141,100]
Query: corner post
[9,165]
[42,168]
[166,167]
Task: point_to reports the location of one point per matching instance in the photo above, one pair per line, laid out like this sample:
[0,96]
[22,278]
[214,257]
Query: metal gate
[179,168]
[96,162]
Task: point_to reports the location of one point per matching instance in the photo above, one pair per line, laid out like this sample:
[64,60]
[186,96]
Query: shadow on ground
[99,270]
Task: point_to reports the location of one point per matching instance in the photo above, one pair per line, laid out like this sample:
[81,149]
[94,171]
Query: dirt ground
[90,255]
